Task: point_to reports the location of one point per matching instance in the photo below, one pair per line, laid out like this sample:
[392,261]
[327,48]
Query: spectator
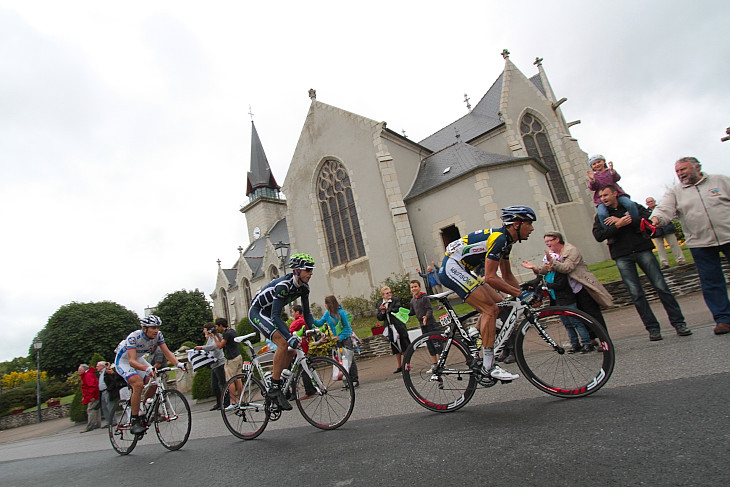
[339,323]
[158,361]
[666,232]
[300,326]
[421,308]
[561,290]
[90,397]
[431,278]
[114,383]
[395,331]
[590,294]
[629,248]
[106,404]
[217,368]
[702,202]
[234,361]
[600,176]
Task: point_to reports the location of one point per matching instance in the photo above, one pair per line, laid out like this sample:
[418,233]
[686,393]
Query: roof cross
[250,112]
[505,54]
[466,100]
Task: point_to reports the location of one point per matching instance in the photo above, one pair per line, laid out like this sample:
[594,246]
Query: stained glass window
[538,146]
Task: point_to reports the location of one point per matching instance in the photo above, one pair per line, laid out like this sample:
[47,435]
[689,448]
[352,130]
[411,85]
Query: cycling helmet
[518,213]
[301,261]
[151,320]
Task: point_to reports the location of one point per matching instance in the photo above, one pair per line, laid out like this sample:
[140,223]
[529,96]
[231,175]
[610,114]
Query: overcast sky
[124,127]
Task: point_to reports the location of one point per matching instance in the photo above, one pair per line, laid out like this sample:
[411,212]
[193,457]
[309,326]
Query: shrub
[97,357]
[77,413]
[400,284]
[24,396]
[201,384]
[189,344]
[679,234]
[358,306]
[59,389]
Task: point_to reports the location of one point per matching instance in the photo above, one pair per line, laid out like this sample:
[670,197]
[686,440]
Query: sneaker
[655,334]
[231,407]
[722,328]
[499,373]
[587,348]
[575,348]
[398,370]
[278,397]
[683,331]
[137,428]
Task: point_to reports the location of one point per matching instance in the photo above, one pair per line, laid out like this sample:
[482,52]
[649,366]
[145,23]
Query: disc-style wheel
[122,439]
[443,389]
[550,366]
[245,416]
[173,420]
[324,400]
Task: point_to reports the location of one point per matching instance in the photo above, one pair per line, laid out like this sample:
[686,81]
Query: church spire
[260,180]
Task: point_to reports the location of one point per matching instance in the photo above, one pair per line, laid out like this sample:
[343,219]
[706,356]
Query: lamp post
[282,252]
[38,344]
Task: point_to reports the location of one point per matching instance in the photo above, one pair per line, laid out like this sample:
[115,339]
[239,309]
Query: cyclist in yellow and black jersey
[492,248]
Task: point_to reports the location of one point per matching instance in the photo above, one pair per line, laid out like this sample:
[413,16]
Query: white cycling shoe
[498,373]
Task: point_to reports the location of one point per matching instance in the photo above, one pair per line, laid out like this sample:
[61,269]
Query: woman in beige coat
[592,296]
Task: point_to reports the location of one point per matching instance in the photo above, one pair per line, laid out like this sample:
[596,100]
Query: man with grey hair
[702,203]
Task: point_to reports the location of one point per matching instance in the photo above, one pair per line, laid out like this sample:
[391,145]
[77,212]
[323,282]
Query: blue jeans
[712,279]
[623,201]
[648,263]
[575,328]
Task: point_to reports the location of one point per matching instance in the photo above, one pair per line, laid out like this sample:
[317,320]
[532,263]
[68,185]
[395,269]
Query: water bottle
[267,379]
[285,375]
[474,334]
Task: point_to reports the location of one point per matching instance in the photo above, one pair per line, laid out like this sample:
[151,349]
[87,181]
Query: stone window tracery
[538,146]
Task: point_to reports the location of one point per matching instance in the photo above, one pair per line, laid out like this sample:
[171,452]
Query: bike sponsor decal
[581,390]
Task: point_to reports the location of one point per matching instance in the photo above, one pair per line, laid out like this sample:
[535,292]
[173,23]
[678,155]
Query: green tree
[183,315]
[18,364]
[77,330]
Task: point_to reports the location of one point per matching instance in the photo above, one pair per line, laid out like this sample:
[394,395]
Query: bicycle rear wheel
[173,420]
[555,371]
[122,439]
[246,416]
[331,402]
[443,390]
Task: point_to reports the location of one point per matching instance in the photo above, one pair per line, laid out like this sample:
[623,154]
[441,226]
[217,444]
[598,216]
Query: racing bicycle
[541,346]
[313,382]
[168,410]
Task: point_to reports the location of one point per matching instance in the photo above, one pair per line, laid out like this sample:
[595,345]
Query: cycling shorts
[127,371]
[454,276]
[265,324]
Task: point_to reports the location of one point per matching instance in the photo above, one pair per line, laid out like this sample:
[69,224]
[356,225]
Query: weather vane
[250,112]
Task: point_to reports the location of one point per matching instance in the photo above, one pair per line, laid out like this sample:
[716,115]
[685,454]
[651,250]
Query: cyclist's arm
[491,277]
[132,359]
[170,356]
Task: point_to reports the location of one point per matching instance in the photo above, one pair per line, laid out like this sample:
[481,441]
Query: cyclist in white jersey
[131,364]
[492,247]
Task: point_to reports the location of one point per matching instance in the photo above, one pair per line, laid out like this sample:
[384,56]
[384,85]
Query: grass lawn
[607,271]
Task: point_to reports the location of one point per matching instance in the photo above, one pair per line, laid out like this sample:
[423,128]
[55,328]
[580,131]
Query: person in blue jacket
[337,319]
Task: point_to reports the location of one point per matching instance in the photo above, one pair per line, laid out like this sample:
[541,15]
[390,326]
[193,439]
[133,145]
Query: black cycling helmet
[151,320]
[518,213]
[301,261]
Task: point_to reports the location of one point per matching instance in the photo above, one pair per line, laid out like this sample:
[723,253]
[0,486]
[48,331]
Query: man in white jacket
[702,203]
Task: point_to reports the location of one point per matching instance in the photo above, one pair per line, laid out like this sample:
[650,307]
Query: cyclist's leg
[136,383]
[282,356]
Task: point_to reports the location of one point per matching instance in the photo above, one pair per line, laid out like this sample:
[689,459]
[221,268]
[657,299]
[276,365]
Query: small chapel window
[339,216]
[538,146]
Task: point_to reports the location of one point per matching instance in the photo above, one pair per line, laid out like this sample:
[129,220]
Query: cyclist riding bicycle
[265,316]
[491,247]
[135,369]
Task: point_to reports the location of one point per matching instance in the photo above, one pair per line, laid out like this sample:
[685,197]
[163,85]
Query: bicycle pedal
[505,381]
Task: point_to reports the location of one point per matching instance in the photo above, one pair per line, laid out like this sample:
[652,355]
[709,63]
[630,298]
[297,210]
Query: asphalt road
[663,419]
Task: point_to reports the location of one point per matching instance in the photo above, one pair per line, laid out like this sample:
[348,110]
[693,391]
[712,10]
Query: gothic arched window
[339,217]
[246,293]
[538,147]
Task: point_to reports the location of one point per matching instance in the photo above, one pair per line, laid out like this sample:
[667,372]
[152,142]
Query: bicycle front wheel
[122,439]
[324,401]
[550,367]
[173,420]
[443,389]
[244,410]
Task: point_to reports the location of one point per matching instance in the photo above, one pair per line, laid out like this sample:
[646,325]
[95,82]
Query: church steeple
[260,180]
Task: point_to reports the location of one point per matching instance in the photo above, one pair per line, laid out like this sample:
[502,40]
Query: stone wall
[53,412]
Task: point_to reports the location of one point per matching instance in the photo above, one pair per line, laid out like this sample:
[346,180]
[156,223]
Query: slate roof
[480,120]
[260,174]
[538,83]
[255,252]
[461,158]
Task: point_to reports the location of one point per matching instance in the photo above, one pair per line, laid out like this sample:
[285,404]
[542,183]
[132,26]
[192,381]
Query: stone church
[367,202]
